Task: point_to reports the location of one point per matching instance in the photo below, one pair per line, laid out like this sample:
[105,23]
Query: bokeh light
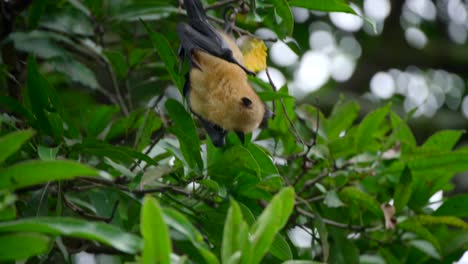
[313,71]
[276,75]
[382,85]
[425,91]
[299,237]
[348,22]
[282,55]
[416,37]
[377,9]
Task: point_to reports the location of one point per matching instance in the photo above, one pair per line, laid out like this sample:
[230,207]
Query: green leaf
[264,161]
[99,118]
[180,223]
[12,105]
[341,118]
[166,54]
[283,21]
[403,190]
[388,256]
[324,5]
[442,220]
[412,225]
[116,153]
[150,123]
[456,205]
[270,222]
[137,56]
[401,130]
[235,233]
[280,248]
[75,70]
[47,153]
[37,91]
[186,132]
[12,142]
[78,5]
[64,226]
[118,62]
[332,200]
[37,9]
[426,247]
[343,250]
[368,129]
[323,234]
[36,172]
[429,161]
[234,161]
[157,243]
[443,140]
[301,262]
[355,196]
[22,246]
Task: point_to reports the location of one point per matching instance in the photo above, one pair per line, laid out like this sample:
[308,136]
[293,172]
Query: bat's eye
[246,101]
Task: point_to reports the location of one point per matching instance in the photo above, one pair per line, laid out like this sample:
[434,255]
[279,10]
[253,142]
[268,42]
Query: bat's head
[250,110]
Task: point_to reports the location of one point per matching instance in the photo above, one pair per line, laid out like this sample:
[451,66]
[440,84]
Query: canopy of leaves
[100,155]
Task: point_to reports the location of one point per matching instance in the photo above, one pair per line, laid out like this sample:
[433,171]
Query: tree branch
[338,224]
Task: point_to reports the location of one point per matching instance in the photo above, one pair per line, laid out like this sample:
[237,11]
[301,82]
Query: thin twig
[292,126]
[234,27]
[115,85]
[85,214]
[338,224]
[312,182]
[274,90]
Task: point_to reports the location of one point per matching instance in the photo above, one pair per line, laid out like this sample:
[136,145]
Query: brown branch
[85,214]
[338,224]
[283,106]
[165,188]
[312,182]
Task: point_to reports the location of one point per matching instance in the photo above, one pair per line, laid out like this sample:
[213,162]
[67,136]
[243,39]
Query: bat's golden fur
[217,90]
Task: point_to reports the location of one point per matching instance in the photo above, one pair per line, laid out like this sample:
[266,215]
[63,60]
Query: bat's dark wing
[199,34]
[215,132]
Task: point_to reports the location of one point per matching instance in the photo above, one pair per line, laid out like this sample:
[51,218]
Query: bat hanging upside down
[216,86]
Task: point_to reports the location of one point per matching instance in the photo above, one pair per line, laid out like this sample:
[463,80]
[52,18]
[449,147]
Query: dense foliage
[99,155]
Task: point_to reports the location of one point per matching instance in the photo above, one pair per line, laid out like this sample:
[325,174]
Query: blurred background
[410,52]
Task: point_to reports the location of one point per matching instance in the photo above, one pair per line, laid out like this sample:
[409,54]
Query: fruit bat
[216,85]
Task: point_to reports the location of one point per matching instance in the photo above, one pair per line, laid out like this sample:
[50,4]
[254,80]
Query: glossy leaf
[456,205]
[443,140]
[99,118]
[341,118]
[64,226]
[442,220]
[368,128]
[353,195]
[157,243]
[272,219]
[403,190]
[36,172]
[413,226]
[235,234]
[166,54]
[324,5]
[186,132]
[180,223]
[21,246]
[12,142]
